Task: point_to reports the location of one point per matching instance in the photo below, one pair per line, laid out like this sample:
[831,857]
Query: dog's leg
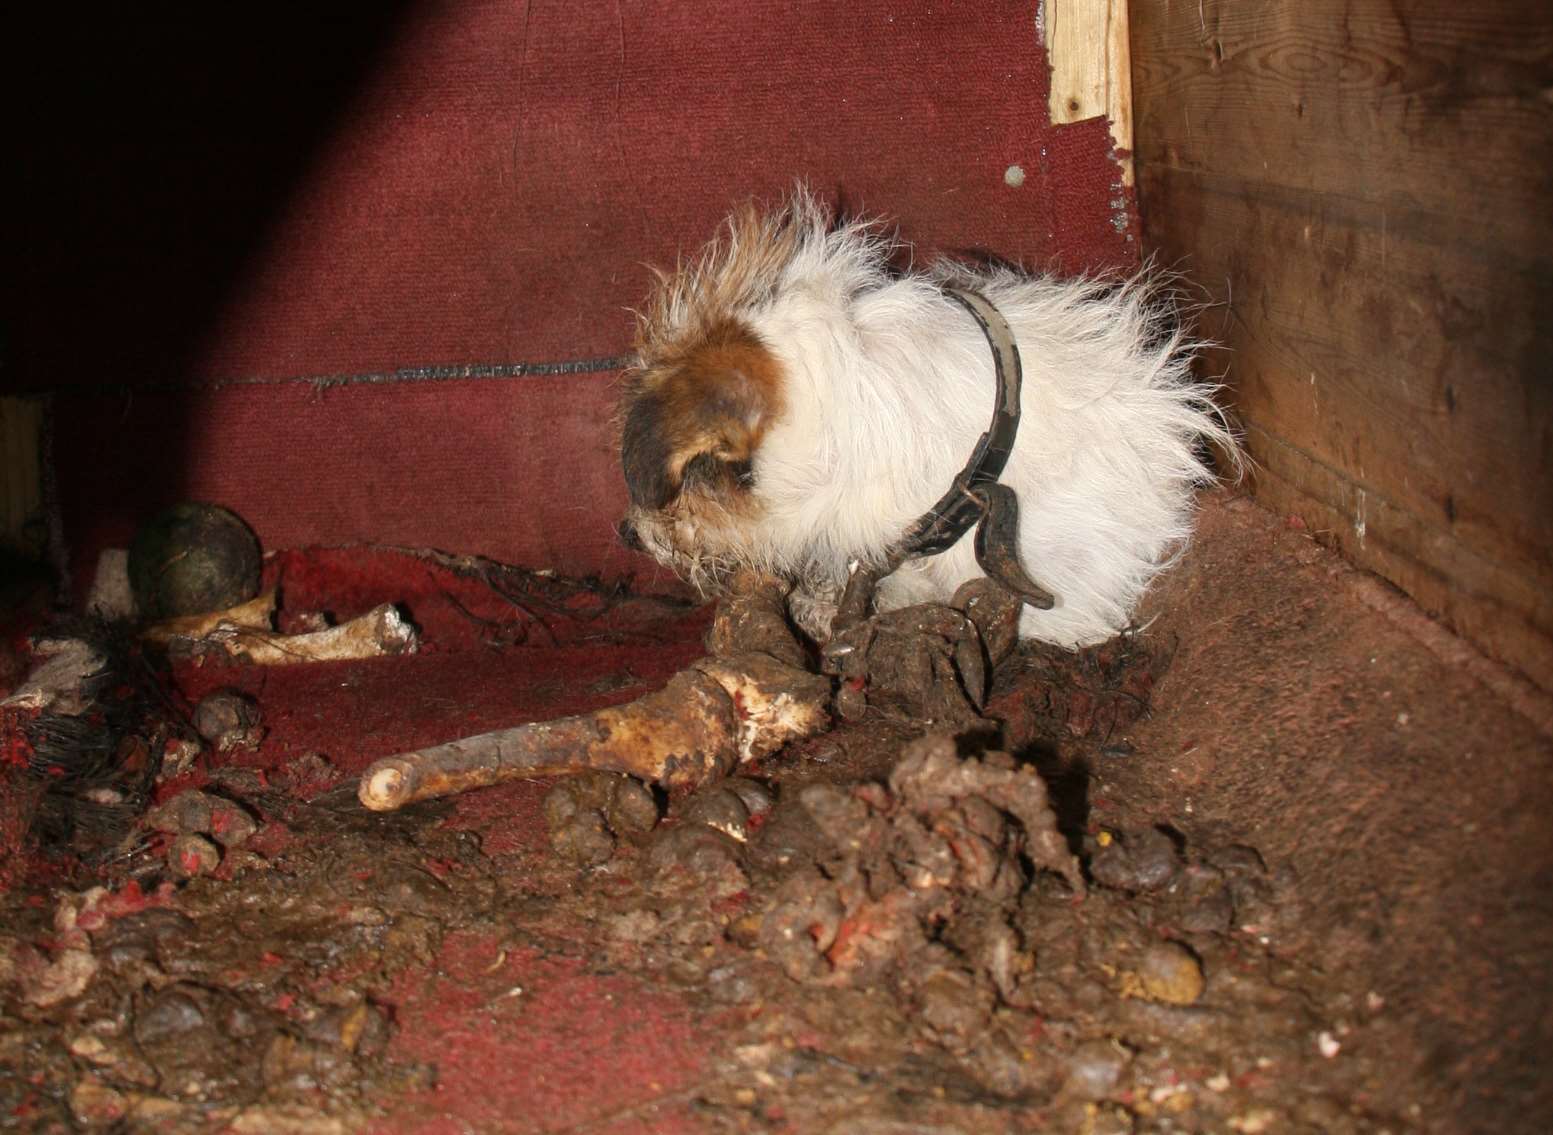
[813,610]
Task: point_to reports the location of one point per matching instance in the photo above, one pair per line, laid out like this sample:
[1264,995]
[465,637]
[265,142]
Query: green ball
[192,559]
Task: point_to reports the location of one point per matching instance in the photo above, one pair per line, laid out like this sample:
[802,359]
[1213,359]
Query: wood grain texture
[1087,46]
[1366,191]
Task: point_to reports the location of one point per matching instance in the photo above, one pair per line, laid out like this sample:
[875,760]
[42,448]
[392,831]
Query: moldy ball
[191,559]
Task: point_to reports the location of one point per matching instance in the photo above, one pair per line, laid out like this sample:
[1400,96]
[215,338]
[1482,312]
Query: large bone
[258,614]
[721,712]
[380,631]
[244,633]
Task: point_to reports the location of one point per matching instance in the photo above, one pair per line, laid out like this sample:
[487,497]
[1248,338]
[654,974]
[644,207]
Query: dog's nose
[628,536]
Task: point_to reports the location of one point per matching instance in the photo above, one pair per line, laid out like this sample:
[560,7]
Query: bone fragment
[111,596]
[380,631]
[753,617]
[752,696]
[256,614]
[711,717]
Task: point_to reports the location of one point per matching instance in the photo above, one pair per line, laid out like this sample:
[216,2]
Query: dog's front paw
[995,610]
[926,662]
[813,611]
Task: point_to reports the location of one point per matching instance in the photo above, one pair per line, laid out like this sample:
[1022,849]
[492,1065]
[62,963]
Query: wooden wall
[1365,187]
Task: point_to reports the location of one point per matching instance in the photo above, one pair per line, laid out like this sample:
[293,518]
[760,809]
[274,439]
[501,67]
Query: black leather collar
[976,497]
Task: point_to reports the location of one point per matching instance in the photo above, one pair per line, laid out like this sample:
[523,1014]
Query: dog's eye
[702,470]
[713,474]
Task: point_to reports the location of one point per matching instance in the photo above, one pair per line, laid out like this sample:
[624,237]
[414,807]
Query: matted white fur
[889,384]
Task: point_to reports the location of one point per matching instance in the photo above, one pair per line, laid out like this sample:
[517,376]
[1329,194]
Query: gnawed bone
[745,702]
[378,632]
[258,614]
[718,714]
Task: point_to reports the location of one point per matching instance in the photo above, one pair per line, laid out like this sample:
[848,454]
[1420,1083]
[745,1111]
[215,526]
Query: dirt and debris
[931,663]
[588,813]
[932,937]
[921,944]
[84,735]
[229,720]
[1167,885]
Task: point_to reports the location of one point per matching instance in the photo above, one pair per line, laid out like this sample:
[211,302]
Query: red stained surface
[525,1042]
[453,609]
[573,1047]
[19,792]
[357,712]
[455,685]
[509,817]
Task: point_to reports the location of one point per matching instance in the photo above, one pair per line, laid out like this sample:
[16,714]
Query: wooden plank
[1087,47]
[1364,189]
[21,476]
[1421,105]
[1376,353]
[1489,601]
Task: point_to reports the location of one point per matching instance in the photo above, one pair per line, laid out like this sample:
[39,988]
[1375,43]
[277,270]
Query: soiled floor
[1319,897]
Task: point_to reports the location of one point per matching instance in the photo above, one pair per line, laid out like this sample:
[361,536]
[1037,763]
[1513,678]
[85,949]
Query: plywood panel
[1366,191]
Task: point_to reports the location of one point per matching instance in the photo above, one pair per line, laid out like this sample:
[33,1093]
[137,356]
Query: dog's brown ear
[714,402]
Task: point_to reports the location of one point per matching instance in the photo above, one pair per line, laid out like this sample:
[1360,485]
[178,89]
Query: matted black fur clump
[96,764]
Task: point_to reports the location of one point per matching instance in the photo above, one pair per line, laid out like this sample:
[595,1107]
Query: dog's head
[692,423]
[707,391]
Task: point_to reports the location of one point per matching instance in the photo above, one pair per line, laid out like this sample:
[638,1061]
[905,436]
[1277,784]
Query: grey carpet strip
[454,373]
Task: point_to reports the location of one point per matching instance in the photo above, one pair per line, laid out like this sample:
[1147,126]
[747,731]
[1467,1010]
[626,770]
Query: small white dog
[798,405]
